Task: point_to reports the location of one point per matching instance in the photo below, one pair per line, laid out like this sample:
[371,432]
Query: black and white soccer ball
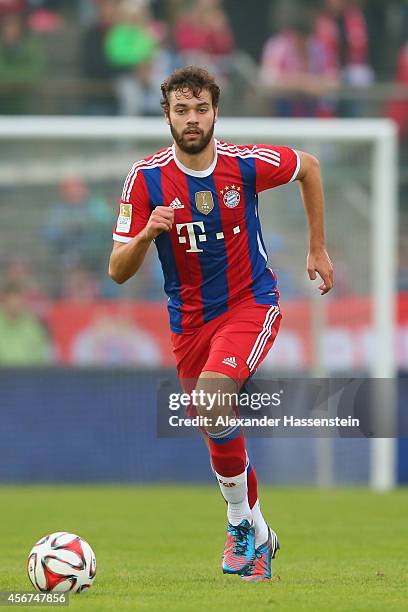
[61,562]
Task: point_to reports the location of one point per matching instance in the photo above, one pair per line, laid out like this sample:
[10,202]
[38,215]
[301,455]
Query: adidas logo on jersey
[231,361]
[176,204]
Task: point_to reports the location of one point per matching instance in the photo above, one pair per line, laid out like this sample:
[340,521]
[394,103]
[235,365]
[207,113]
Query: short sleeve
[134,208]
[274,166]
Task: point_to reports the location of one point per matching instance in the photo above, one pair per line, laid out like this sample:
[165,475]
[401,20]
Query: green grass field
[159,548]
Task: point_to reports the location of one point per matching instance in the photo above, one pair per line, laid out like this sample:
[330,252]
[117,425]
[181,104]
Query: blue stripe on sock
[226,435]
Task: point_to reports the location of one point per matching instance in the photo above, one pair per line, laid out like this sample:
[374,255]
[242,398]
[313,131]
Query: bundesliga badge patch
[124,219]
[231,196]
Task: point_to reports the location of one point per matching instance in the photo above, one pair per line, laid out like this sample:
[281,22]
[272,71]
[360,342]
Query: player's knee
[215,395]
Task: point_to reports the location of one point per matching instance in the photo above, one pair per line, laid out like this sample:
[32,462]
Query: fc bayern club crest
[231,196]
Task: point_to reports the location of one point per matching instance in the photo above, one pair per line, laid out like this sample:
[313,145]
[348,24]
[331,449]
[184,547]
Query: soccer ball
[61,562]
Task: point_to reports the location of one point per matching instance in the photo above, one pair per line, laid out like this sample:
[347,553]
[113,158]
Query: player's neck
[199,161]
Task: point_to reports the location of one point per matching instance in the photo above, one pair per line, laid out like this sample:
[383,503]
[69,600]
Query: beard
[192,148]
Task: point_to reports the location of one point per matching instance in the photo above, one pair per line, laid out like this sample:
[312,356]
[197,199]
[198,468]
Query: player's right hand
[161,220]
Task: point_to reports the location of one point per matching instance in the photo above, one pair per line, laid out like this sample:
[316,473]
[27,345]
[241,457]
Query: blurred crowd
[289,57]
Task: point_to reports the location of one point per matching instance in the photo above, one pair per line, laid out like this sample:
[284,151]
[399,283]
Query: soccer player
[198,201]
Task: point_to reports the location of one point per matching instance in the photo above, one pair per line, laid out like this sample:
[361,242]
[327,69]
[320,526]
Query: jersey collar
[197,173]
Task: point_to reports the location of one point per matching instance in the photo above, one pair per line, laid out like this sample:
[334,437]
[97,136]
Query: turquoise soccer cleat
[259,570]
[239,548]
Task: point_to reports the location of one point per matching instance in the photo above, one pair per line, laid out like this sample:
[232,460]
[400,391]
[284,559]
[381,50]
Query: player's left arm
[311,189]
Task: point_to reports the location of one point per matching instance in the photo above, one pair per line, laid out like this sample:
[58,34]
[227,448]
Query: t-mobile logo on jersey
[201,236]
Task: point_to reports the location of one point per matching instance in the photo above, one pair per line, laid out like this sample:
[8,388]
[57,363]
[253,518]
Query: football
[61,562]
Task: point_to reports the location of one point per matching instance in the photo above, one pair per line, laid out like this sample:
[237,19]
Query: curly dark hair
[189,78]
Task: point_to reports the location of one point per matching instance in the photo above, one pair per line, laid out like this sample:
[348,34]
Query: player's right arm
[127,257]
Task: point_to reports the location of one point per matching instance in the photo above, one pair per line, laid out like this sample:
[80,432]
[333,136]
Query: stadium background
[82,358]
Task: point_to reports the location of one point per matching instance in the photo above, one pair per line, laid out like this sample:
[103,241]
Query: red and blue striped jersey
[214,257]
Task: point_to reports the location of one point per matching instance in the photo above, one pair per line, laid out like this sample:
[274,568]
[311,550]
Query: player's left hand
[318,262]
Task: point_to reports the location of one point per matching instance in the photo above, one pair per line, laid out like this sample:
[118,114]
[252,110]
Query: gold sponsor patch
[204,201]
[125,218]
[126,210]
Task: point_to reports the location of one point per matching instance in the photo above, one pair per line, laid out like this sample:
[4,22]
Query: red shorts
[234,344]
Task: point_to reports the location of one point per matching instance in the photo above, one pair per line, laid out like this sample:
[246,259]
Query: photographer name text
[285,421]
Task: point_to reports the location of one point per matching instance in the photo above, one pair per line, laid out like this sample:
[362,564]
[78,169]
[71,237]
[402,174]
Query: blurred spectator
[251,28]
[295,61]
[342,30]
[163,64]
[95,65]
[383,21]
[78,225]
[403,266]
[398,109]
[22,64]
[55,21]
[205,30]
[44,18]
[19,272]
[203,36]
[130,48]
[8,7]
[80,285]
[23,339]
